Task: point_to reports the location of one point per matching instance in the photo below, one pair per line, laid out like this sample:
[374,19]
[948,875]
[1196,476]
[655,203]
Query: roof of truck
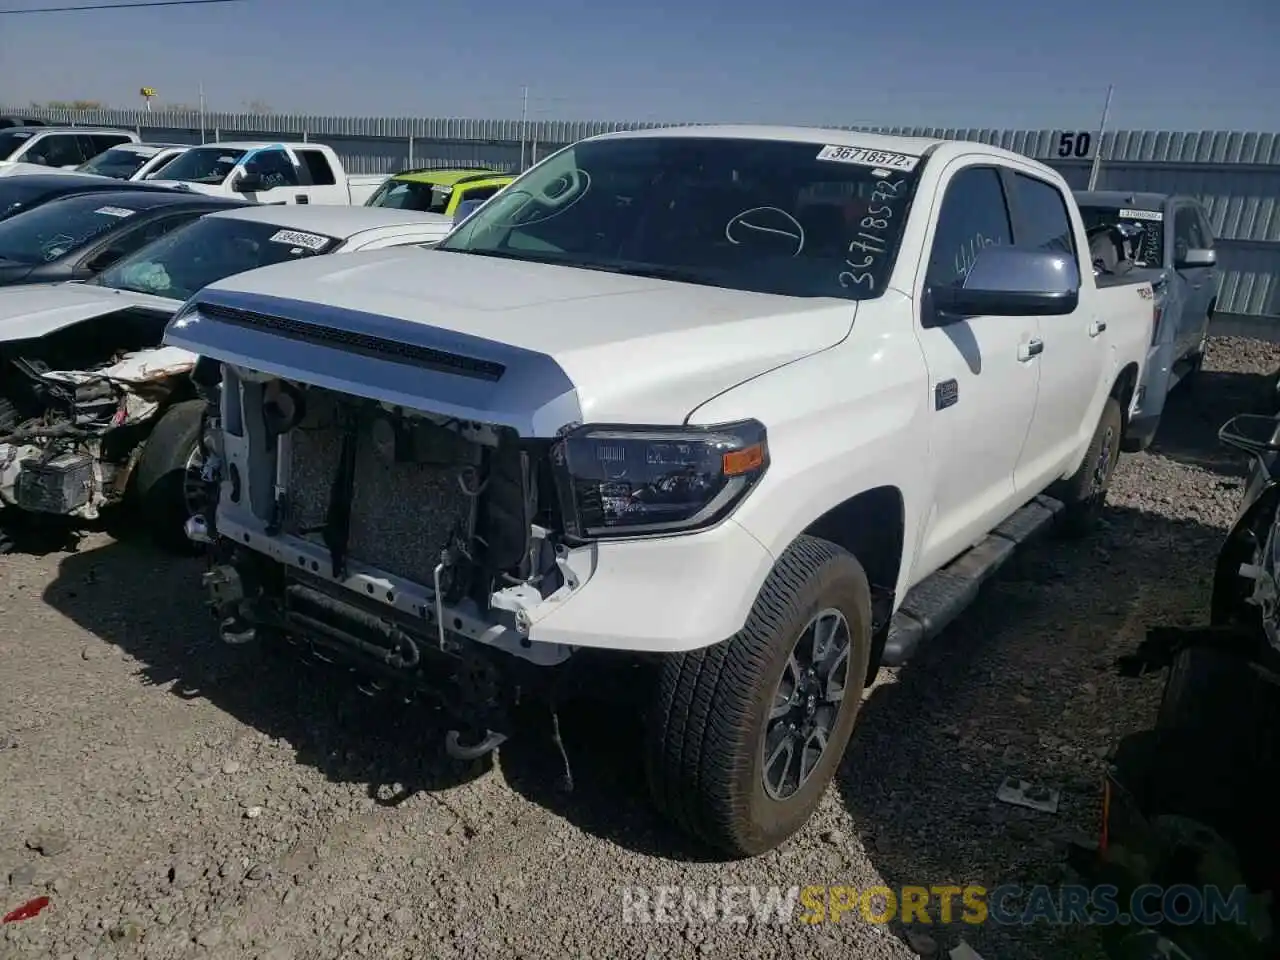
[450,176]
[886,142]
[1121,198]
[858,138]
[335,221]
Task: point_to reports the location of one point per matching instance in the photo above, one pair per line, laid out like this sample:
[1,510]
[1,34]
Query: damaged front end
[71,438]
[412,548]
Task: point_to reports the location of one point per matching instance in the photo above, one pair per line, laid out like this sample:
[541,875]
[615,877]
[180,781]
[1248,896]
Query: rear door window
[1043,221]
[318,168]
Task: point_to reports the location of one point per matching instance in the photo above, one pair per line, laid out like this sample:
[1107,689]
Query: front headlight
[624,481]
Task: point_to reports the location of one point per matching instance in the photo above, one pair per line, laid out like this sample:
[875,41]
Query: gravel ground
[192,799]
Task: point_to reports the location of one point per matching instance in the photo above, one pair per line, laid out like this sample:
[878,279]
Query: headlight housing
[625,481]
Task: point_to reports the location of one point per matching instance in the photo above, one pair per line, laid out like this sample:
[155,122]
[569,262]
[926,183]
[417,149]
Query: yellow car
[437,191]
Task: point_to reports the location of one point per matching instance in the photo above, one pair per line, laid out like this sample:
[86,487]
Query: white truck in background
[270,172]
[763,406]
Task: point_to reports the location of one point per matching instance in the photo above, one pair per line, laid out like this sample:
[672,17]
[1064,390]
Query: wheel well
[1123,389]
[871,527]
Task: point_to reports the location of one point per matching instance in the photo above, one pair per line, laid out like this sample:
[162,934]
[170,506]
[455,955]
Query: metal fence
[1235,174]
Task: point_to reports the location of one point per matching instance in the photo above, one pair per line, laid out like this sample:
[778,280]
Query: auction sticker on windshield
[1155,215]
[296,238]
[115,211]
[868,158]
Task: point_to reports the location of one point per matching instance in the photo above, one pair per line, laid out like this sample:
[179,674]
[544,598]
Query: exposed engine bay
[413,547]
[76,406]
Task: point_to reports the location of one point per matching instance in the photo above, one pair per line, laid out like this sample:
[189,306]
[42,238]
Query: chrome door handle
[1097,327]
[1032,348]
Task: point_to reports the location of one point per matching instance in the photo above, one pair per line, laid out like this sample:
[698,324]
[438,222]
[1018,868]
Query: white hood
[38,309]
[567,343]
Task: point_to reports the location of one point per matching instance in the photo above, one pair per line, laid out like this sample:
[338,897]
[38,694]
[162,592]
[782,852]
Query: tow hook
[455,749]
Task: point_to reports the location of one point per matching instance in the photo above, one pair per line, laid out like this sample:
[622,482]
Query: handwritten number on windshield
[870,239]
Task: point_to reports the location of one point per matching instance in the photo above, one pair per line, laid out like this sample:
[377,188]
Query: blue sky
[981,63]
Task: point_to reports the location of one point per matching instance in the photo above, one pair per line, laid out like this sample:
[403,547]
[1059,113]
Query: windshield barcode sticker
[295,238]
[1154,215]
[868,158]
[115,211]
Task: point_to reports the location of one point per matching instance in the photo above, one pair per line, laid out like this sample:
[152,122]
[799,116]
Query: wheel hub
[806,704]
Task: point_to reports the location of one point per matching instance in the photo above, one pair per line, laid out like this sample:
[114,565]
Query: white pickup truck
[762,405]
[270,173]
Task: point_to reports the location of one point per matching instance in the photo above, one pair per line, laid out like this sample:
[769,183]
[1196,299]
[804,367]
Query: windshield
[118,162]
[408,195]
[11,141]
[1149,224]
[779,217]
[191,257]
[52,230]
[203,165]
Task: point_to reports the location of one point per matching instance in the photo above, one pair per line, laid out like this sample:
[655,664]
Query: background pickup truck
[59,147]
[1173,249]
[763,406]
[270,173]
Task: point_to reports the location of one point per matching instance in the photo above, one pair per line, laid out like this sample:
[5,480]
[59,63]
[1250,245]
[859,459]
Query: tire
[1085,492]
[707,734]
[1205,689]
[161,474]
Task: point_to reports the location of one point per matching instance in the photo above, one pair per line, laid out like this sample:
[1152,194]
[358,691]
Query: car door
[1214,275]
[1188,235]
[284,181]
[983,371]
[323,186]
[1072,362]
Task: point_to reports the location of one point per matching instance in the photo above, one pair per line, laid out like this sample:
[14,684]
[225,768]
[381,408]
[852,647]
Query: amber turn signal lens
[743,461]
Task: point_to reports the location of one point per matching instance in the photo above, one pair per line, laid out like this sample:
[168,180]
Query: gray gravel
[174,797]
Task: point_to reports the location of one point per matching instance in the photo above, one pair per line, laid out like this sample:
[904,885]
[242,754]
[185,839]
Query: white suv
[64,147]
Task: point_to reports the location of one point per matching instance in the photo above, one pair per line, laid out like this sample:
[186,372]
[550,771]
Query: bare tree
[257,106]
[68,105]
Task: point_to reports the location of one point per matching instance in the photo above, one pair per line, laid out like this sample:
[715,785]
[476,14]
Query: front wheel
[170,489]
[746,735]
[1085,492]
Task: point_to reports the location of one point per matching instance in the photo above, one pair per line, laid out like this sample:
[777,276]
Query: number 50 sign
[1075,145]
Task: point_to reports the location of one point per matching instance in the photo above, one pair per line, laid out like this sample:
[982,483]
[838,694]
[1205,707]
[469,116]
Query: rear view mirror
[465,209]
[1198,258]
[1005,281]
[105,259]
[1253,433]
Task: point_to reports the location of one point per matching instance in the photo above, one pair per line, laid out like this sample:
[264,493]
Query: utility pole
[524,122]
[1102,129]
[202,111]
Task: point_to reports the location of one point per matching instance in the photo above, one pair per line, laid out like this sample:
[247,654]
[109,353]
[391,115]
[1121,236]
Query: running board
[942,596]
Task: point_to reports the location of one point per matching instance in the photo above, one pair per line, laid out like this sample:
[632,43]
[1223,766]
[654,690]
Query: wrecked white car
[93,411]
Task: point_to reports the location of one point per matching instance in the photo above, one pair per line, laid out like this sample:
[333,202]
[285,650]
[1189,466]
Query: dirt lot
[199,800]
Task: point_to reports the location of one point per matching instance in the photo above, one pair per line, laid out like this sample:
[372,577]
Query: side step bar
[936,601]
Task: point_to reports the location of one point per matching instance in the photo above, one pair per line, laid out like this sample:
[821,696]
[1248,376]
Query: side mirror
[1198,258]
[465,209]
[1253,433]
[1006,281]
[247,183]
